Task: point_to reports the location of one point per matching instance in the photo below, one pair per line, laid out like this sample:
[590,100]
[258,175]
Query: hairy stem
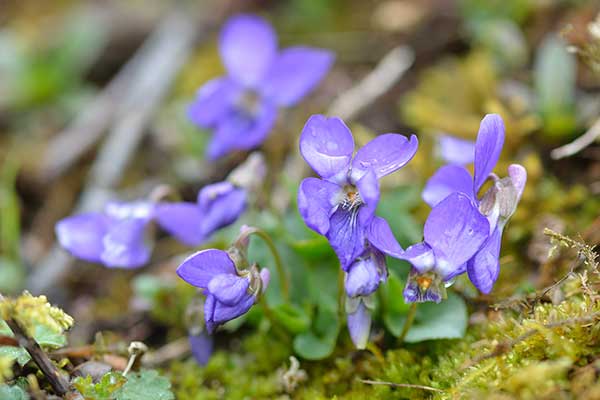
[283,278]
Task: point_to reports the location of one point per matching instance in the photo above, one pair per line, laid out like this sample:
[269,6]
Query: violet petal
[384,155]
[199,268]
[488,147]
[248,45]
[455,230]
[82,235]
[294,73]
[447,180]
[327,145]
[316,200]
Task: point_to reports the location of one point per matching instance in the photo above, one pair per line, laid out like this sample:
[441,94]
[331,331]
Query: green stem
[410,317]
[341,294]
[283,278]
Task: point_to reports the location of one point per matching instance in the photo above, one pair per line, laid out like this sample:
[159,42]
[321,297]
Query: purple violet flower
[241,107]
[341,205]
[497,204]
[230,289]
[453,233]
[119,236]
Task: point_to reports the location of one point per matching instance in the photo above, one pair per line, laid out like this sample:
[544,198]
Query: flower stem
[410,317]
[283,278]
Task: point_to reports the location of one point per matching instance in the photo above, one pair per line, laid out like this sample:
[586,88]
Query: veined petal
[125,245]
[220,205]
[209,313]
[199,268]
[484,267]
[327,145]
[316,200]
[182,220]
[346,236]
[380,235]
[213,101]
[488,147]
[456,151]
[359,325]
[82,235]
[447,180]
[384,155]
[455,230]
[421,257]
[248,45]
[228,288]
[421,288]
[294,73]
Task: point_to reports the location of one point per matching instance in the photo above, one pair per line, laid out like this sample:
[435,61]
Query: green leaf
[395,207]
[394,307]
[145,385]
[319,342]
[446,320]
[292,317]
[12,393]
[554,75]
[105,389]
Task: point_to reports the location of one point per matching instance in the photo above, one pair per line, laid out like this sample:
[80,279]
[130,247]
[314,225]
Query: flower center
[352,200]
[249,102]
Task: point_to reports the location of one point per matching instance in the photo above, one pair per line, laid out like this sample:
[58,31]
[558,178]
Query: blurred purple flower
[118,237]
[497,204]
[341,205]
[218,205]
[229,292]
[454,231]
[241,107]
[115,237]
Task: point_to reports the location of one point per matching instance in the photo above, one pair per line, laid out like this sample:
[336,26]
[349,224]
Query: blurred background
[93,98]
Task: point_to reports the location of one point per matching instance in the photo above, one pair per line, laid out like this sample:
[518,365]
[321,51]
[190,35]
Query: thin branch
[171,351]
[173,40]
[385,75]
[578,144]
[58,382]
[401,385]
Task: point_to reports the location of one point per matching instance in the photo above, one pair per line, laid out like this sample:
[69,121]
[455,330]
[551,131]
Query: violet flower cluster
[120,236]
[341,206]
[241,107]
[464,230]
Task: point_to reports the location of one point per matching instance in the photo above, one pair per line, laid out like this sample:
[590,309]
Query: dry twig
[401,385]
[578,144]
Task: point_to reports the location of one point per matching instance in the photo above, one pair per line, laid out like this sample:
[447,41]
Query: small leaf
[446,320]
[395,309]
[145,385]
[12,393]
[319,342]
[554,76]
[292,317]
